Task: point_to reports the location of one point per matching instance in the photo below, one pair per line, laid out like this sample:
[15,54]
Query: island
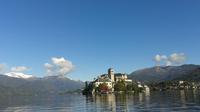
[113,83]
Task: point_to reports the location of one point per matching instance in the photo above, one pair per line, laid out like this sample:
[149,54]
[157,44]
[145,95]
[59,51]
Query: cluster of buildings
[176,85]
[188,85]
[111,79]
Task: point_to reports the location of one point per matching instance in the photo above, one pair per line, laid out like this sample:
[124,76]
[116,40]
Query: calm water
[183,101]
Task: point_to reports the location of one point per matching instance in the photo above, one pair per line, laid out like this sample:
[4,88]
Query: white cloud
[47,65]
[59,66]
[173,59]
[159,58]
[49,68]
[14,71]
[177,58]
[19,69]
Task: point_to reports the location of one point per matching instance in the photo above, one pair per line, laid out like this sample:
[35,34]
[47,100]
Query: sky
[83,38]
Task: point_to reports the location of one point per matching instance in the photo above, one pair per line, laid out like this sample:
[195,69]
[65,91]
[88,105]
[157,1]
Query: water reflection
[195,93]
[120,102]
[184,100]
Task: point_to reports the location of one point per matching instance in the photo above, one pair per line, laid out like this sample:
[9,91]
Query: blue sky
[98,34]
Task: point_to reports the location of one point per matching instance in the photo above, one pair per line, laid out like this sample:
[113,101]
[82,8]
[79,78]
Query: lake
[182,101]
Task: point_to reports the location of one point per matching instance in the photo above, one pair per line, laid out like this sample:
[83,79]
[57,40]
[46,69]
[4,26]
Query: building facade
[111,79]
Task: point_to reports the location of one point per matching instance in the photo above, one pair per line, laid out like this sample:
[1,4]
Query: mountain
[159,74]
[193,76]
[31,86]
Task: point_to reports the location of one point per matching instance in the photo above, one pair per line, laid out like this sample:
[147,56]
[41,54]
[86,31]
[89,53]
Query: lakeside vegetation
[119,87]
[174,85]
[122,87]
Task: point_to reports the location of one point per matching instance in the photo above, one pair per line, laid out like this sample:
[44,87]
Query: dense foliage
[127,87]
[120,86]
[103,88]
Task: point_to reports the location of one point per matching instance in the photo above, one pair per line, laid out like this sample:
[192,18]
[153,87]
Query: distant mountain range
[21,84]
[12,85]
[158,74]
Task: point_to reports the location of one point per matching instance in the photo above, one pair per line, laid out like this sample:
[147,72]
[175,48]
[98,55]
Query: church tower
[111,74]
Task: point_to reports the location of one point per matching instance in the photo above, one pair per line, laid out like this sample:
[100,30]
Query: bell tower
[111,74]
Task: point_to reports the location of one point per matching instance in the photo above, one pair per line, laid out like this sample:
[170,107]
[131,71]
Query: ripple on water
[174,101]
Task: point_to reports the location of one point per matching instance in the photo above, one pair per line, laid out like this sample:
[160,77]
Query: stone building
[111,78]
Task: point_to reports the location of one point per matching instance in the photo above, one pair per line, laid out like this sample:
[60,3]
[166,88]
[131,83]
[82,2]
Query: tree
[88,89]
[103,87]
[129,87]
[120,86]
[136,89]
